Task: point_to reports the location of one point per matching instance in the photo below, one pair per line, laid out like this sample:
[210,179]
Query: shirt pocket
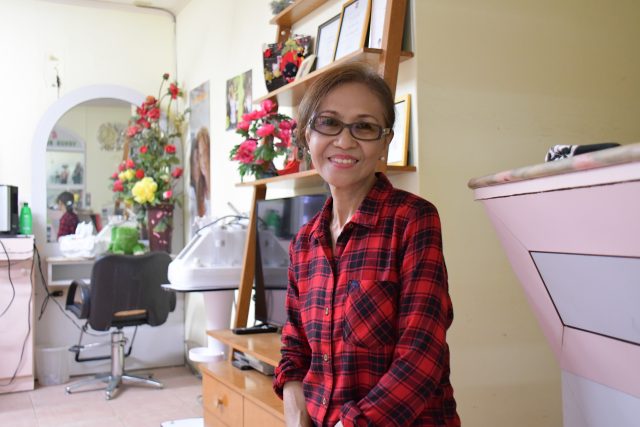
[369,313]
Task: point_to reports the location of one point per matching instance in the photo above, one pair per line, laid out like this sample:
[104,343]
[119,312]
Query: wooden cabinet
[16,314]
[242,398]
[245,398]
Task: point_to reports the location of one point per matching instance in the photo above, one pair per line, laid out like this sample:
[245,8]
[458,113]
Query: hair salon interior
[541,256]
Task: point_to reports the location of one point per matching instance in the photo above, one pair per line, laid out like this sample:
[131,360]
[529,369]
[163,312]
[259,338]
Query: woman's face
[343,161]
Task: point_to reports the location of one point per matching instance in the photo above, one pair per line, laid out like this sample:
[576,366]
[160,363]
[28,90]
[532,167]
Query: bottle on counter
[26,220]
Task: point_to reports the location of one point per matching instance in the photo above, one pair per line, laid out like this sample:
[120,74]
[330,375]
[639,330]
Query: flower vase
[267,170]
[160,226]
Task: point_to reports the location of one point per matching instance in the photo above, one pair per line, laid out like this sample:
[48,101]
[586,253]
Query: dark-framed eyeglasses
[362,131]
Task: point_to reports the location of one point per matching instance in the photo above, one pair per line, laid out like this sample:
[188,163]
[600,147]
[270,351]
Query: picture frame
[376,27]
[398,152]
[305,66]
[326,41]
[352,31]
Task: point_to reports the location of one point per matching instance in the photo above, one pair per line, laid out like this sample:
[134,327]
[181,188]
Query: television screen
[278,222]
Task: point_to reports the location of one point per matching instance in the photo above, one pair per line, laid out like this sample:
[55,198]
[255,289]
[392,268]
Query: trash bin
[52,365]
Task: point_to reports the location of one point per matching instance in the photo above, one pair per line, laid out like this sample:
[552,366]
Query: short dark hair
[67,200]
[354,72]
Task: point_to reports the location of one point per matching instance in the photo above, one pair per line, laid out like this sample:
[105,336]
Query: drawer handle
[219,402]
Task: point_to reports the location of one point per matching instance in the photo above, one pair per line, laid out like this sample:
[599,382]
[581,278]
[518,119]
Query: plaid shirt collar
[366,215]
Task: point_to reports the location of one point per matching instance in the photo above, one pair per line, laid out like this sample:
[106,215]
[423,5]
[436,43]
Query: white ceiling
[175,6]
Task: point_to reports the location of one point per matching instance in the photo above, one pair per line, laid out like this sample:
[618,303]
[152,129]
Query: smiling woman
[368,286]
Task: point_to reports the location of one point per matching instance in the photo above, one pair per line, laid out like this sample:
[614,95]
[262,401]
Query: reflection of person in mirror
[78,171]
[63,175]
[69,220]
[200,171]
[368,304]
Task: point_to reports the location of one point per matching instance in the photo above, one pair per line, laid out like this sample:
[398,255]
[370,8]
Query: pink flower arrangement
[267,135]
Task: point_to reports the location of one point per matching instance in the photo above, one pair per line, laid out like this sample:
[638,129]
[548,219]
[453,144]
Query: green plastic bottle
[26,220]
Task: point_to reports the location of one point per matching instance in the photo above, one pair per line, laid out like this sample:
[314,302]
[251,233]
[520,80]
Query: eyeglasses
[363,131]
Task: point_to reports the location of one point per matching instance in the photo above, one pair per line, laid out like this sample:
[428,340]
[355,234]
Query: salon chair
[125,290]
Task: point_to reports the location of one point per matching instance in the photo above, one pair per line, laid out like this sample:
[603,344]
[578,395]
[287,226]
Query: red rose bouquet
[267,135]
[149,175]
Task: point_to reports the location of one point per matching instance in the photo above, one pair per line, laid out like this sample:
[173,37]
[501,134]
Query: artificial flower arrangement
[148,177]
[268,135]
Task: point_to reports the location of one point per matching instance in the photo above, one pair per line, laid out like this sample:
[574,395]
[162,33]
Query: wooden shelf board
[252,385]
[310,178]
[295,12]
[292,93]
[264,347]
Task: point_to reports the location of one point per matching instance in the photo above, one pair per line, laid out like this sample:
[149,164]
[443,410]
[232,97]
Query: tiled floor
[131,407]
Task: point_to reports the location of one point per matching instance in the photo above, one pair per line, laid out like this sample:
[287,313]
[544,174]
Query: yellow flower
[144,191]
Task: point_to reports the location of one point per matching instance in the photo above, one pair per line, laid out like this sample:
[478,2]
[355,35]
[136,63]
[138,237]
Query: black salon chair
[125,290]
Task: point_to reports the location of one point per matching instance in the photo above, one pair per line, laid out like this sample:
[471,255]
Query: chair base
[117,376]
[113,383]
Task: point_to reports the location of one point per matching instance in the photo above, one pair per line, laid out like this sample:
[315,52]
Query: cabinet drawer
[256,416]
[222,402]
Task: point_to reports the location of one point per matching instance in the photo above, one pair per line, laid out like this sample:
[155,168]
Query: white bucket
[52,365]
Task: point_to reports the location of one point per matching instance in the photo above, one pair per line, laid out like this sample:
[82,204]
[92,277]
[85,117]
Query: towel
[558,152]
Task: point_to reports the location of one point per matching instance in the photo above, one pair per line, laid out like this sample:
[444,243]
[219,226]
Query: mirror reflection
[84,148]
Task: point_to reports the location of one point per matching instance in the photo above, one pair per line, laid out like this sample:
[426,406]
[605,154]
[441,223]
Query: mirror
[83,149]
[41,136]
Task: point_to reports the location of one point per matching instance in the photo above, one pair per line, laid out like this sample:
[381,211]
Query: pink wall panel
[607,361]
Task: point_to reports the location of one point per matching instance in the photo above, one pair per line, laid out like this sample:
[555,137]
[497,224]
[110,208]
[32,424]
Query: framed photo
[326,41]
[305,66]
[281,61]
[399,147]
[238,98]
[352,31]
[376,28]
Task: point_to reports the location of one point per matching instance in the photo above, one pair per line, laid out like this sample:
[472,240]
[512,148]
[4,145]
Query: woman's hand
[295,408]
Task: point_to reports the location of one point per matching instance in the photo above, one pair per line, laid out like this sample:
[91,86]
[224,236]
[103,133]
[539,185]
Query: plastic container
[52,365]
[26,220]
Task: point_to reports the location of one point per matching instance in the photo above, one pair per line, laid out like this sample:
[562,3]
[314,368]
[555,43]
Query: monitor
[278,222]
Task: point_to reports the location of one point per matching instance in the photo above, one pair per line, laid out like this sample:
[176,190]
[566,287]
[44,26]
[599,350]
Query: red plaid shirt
[366,329]
[68,224]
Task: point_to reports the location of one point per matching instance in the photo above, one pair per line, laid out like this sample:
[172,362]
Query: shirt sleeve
[421,352]
[295,350]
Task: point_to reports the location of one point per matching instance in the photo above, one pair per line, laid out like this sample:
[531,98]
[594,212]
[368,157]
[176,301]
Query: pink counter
[571,231]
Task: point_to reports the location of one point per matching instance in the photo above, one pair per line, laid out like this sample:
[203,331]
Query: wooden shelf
[310,178]
[291,94]
[295,12]
[253,385]
[264,347]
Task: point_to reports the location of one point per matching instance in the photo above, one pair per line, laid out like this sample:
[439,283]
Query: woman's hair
[67,200]
[355,72]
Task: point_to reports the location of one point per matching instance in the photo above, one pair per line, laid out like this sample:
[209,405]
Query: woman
[69,220]
[367,304]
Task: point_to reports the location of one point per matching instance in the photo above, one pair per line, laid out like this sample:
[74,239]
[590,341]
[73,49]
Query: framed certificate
[326,41]
[376,28]
[399,147]
[352,31]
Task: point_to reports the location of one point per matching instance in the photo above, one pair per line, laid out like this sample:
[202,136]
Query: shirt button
[326,311]
[325,357]
[324,401]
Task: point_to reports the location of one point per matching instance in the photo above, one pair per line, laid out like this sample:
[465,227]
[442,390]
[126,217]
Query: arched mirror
[83,150]
[76,147]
